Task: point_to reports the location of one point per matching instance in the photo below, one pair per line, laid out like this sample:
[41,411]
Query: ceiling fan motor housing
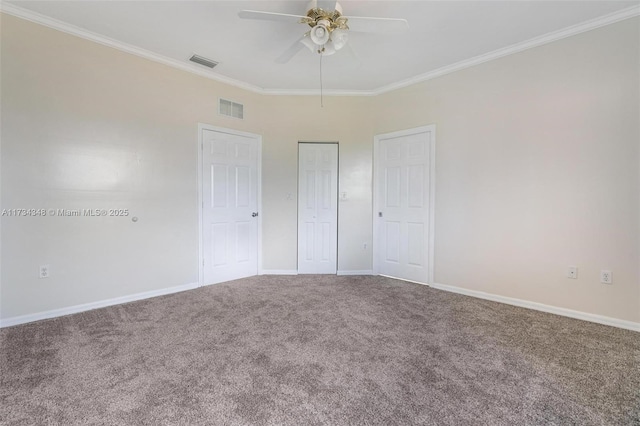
[331,19]
[329,30]
[312,7]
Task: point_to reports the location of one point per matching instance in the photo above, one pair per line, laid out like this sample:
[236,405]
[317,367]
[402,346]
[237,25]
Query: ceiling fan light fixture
[339,38]
[328,48]
[320,33]
[306,40]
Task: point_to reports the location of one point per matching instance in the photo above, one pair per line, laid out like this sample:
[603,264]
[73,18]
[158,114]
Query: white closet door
[230,206]
[403,205]
[317,208]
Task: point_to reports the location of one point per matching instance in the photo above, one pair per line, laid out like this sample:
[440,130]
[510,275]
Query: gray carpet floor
[318,350]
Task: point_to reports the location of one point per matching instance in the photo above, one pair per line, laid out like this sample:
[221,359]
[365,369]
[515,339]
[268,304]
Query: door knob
[254,214]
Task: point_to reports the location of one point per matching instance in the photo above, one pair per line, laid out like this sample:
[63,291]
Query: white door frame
[258,138]
[432,194]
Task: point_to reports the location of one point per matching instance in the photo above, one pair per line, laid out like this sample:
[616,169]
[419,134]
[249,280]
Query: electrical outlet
[605,277]
[572,272]
[44,271]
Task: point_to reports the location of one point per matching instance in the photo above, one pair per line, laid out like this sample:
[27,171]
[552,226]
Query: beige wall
[86,126]
[537,169]
[292,119]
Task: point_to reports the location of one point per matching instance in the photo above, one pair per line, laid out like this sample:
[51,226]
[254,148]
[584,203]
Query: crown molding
[602,21]
[592,24]
[316,92]
[38,18]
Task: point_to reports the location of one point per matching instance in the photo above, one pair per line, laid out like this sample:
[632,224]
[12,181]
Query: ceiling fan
[329,30]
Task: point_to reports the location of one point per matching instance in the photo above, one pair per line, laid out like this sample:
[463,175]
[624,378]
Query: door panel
[392,241]
[243,246]
[309,245]
[311,189]
[219,244]
[318,208]
[416,186]
[243,186]
[219,185]
[230,197]
[415,244]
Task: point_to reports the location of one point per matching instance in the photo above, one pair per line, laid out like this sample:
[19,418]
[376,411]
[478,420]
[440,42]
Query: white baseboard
[363,272]
[599,319]
[295,272]
[403,279]
[279,272]
[23,319]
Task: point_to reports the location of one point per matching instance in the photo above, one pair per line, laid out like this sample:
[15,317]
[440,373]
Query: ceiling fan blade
[269,16]
[353,54]
[327,5]
[363,24]
[290,52]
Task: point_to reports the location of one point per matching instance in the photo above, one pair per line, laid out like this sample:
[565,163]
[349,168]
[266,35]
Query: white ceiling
[442,33]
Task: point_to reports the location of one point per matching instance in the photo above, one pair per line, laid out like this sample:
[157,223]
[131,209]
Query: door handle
[254,214]
[379,214]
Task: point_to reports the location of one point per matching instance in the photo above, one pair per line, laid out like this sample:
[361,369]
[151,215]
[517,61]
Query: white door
[317,208]
[229,206]
[404,204]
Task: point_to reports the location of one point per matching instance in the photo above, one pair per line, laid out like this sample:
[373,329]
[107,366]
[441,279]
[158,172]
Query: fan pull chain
[321,98]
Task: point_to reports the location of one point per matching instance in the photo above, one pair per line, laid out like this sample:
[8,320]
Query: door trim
[432,194]
[199,147]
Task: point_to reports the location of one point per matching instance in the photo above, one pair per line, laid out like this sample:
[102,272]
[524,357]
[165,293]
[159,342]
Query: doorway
[317,208]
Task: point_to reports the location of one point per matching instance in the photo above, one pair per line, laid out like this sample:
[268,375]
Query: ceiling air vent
[203,61]
[230,109]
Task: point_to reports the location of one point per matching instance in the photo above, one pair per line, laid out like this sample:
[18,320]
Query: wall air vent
[230,109]
[203,61]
